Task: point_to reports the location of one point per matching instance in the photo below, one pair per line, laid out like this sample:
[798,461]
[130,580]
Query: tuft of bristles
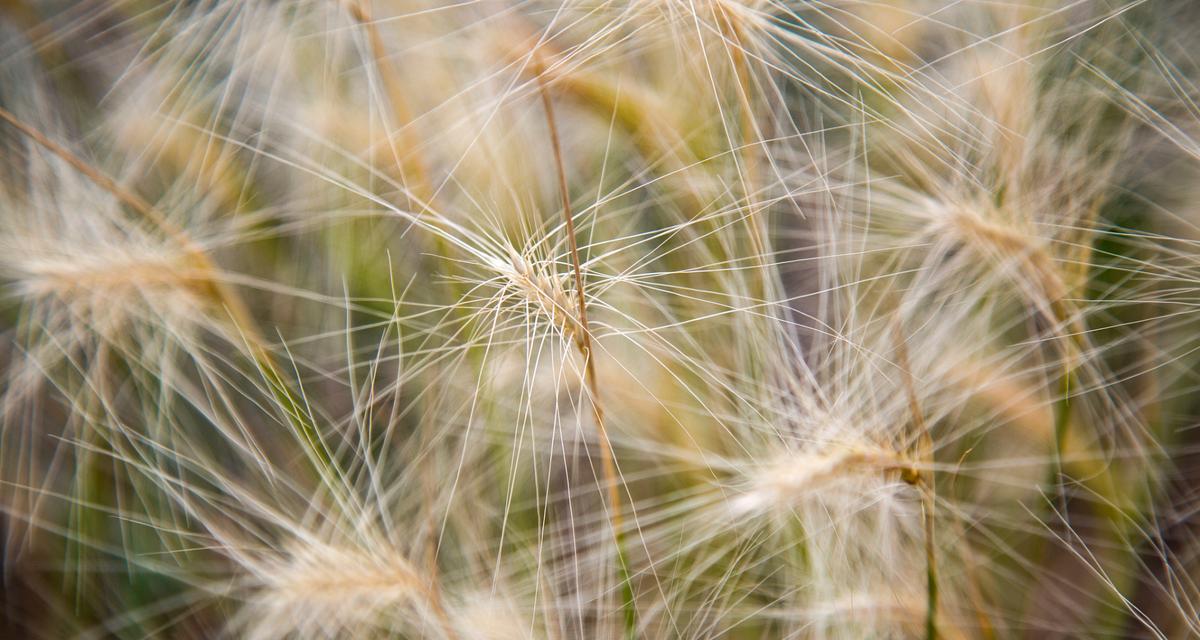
[631,319]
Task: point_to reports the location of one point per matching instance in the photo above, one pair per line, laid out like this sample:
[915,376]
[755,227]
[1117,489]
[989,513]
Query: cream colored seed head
[322,587]
[790,478]
[63,276]
[546,293]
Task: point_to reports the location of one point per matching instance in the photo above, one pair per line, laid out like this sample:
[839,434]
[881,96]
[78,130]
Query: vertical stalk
[411,164]
[748,161]
[583,341]
[923,480]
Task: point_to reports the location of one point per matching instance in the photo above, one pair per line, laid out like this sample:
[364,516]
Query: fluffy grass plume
[599,319]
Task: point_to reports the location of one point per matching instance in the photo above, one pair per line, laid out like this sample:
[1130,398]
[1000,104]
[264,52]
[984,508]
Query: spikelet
[545,293]
[786,481]
[320,590]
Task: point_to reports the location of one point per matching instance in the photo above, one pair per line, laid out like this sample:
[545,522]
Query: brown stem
[924,480]
[749,162]
[583,340]
[411,163]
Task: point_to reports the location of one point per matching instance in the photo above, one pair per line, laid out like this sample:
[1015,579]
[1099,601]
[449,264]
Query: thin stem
[583,340]
[924,480]
[652,129]
[746,152]
[411,164]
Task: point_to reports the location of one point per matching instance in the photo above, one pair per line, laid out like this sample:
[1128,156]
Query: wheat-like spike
[321,587]
[793,477]
[208,279]
[547,294]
